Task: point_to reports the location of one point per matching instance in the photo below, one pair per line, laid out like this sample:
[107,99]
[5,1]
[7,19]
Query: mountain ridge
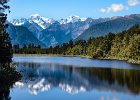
[52,32]
[119,24]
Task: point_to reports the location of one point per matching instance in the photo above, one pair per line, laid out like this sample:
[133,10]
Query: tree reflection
[78,79]
[8,76]
[123,77]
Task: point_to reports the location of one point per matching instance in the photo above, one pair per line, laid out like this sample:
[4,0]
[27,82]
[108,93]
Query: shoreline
[82,56]
[52,55]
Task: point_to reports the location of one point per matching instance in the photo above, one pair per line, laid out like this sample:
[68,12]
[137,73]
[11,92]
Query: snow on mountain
[83,19]
[41,21]
[19,22]
[35,18]
[71,19]
[46,22]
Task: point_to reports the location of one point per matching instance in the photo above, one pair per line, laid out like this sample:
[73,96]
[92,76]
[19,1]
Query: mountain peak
[41,21]
[35,17]
[72,19]
[76,18]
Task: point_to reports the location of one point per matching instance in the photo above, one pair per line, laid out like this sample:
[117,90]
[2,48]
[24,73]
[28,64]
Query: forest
[121,46]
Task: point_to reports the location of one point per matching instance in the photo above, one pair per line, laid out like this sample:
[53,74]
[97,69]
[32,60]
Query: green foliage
[134,48]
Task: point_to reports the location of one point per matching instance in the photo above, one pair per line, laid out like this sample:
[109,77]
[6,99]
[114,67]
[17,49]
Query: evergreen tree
[5,42]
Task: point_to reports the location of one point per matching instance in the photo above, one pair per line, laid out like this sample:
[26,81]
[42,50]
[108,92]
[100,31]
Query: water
[75,78]
[77,62]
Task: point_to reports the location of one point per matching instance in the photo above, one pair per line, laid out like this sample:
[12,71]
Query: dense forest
[122,46]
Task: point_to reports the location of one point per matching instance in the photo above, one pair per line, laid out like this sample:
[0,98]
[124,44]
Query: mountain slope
[54,35]
[21,35]
[116,25]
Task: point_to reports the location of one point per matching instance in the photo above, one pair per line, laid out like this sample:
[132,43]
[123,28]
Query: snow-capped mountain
[56,32]
[35,18]
[41,21]
[52,32]
[46,22]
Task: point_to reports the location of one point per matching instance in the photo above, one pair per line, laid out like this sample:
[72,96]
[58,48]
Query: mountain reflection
[43,77]
[8,77]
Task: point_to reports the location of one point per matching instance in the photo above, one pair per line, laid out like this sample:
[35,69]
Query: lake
[75,78]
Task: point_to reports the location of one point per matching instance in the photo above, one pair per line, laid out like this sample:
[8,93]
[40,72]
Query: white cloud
[133,2]
[114,8]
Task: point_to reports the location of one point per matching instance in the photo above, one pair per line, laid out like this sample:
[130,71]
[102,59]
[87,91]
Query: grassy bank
[37,55]
[128,61]
[82,56]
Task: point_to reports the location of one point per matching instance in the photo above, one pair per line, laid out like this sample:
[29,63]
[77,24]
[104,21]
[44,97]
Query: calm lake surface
[75,78]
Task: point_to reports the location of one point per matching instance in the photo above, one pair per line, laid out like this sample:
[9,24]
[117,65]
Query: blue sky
[63,8]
